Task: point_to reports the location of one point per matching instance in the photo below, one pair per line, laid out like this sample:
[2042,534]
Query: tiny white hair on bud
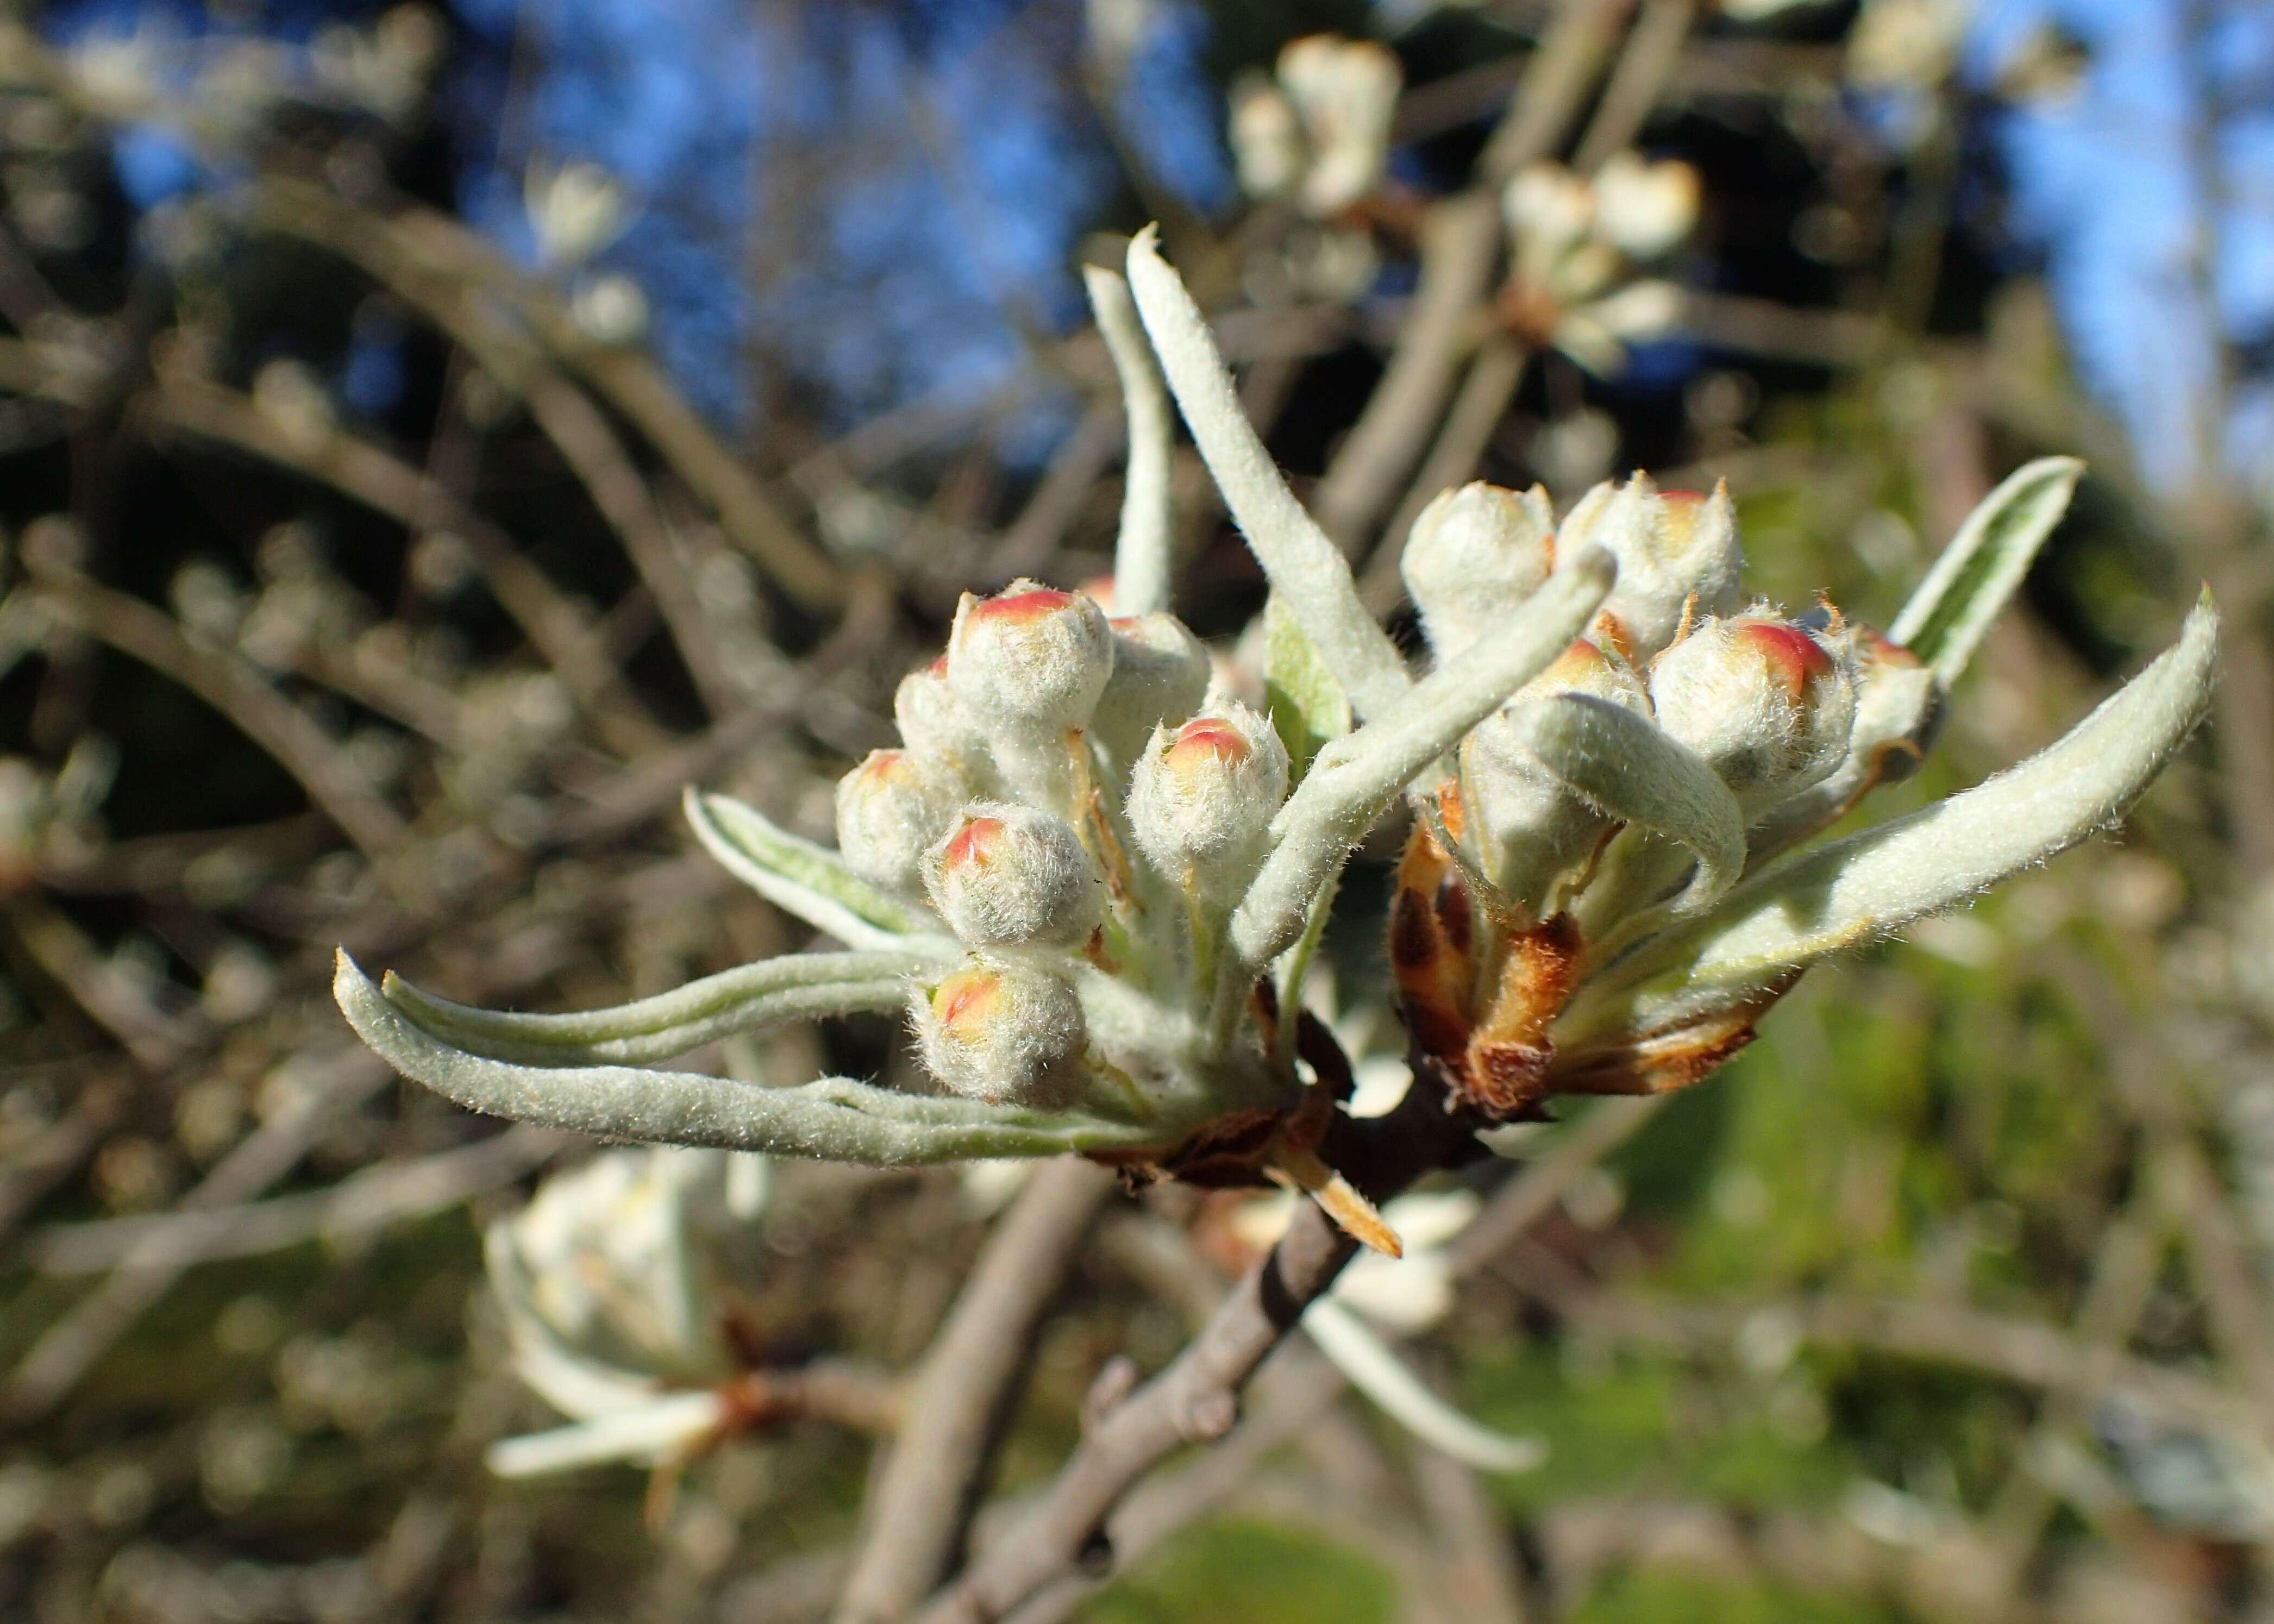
[1898,702]
[892,809]
[1006,1034]
[1202,799]
[1531,827]
[1678,554]
[1008,876]
[1472,557]
[1768,703]
[1160,675]
[1029,657]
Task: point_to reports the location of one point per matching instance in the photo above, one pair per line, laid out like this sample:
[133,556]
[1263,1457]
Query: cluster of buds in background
[1096,884]
[1576,244]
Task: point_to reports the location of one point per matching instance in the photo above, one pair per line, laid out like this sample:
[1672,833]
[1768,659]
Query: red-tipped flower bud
[891,810]
[1473,558]
[1202,797]
[1678,559]
[1030,655]
[1531,828]
[1160,675]
[1769,704]
[1006,1033]
[1010,876]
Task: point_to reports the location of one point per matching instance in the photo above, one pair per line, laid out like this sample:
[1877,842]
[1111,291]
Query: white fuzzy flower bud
[1548,209]
[1769,704]
[1010,876]
[1029,657]
[1645,210]
[1267,138]
[1160,675]
[1345,93]
[1678,557]
[937,728]
[892,809]
[1530,826]
[1474,556]
[1202,797]
[1006,1033]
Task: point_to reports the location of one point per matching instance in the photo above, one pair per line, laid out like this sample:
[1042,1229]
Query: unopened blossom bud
[1474,556]
[1678,554]
[892,809]
[1202,797]
[1548,209]
[1160,675]
[1345,93]
[1029,657]
[1267,138]
[1645,210]
[1531,827]
[1768,703]
[1006,1033]
[1010,876]
[937,728]
[1898,702]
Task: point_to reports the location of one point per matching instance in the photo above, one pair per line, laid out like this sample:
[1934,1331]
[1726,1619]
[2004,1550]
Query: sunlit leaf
[1949,614]
[809,880]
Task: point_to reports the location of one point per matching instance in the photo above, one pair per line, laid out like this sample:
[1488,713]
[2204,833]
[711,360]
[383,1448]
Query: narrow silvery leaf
[1950,613]
[1374,1370]
[662,1426]
[1356,777]
[835,1120]
[1872,883]
[810,880]
[1302,562]
[1143,555]
[1629,770]
[793,986]
[1306,702]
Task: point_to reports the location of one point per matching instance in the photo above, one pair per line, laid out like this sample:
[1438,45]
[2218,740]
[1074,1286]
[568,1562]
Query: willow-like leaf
[1872,883]
[1144,551]
[1376,1370]
[1359,775]
[1948,615]
[836,1119]
[810,880]
[1303,563]
[1627,768]
[793,986]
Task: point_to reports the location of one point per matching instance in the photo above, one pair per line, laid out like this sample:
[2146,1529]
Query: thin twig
[921,1502]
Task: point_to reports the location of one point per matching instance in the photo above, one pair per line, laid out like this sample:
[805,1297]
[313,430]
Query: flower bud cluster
[1767,703]
[1318,130]
[1576,244]
[1073,806]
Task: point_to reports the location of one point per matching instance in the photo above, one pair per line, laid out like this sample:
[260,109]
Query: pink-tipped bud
[939,728]
[1029,657]
[1202,797]
[1679,560]
[1769,704]
[1530,827]
[891,810]
[1006,1033]
[1471,559]
[1160,675]
[1898,702]
[1010,876]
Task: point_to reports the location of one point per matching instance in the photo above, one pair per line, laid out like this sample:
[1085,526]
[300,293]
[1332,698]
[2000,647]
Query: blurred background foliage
[430,435]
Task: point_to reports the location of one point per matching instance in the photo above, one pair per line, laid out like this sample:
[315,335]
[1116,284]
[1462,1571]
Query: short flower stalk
[1093,883]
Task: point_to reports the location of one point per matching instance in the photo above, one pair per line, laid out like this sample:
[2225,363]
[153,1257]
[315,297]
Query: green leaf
[1627,768]
[1307,705]
[809,880]
[794,986]
[1949,614]
[1302,562]
[835,1120]
[1873,883]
